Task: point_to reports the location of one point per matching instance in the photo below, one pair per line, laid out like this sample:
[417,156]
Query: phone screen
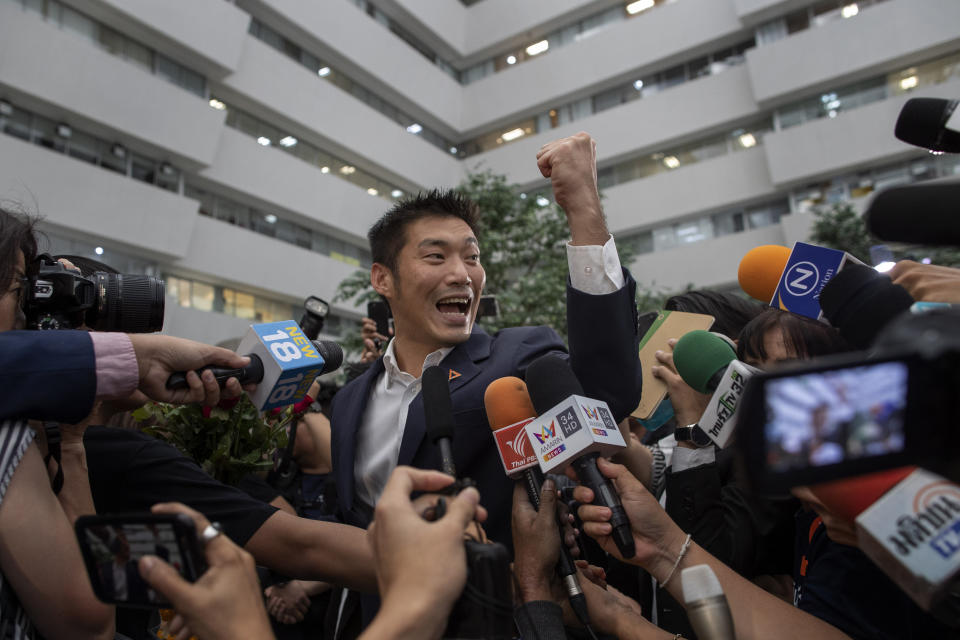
[829,417]
[112,551]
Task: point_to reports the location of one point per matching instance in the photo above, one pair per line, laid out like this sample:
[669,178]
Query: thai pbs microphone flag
[516,452]
[290,363]
[807,271]
[572,428]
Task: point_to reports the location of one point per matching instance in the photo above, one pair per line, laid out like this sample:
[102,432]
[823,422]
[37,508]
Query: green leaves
[228,443]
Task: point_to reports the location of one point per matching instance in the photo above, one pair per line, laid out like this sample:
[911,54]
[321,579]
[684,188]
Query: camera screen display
[116,550]
[829,417]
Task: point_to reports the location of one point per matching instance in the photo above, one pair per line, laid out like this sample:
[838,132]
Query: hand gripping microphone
[283,364]
[509,410]
[706,605]
[707,363]
[575,430]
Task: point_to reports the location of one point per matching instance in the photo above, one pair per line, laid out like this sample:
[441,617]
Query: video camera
[62,298]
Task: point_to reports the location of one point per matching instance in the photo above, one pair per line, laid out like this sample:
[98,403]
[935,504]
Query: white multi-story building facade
[241,149]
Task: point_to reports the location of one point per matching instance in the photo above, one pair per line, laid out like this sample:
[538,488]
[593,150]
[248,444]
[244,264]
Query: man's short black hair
[17,231]
[388,234]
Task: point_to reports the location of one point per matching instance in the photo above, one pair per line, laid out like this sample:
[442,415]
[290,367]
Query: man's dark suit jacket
[603,355]
[47,375]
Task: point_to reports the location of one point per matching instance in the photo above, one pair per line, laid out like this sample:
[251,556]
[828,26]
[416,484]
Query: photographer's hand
[225,602]
[536,542]
[421,566]
[160,356]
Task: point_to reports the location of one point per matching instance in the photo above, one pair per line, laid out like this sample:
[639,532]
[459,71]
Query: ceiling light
[347,169]
[640,5]
[373,191]
[511,59]
[323,72]
[747,140]
[64,130]
[926,261]
[910,82]
[523,196]
[98,251]
[119,150]
[638,84]
[415,128]
[542,201]
[324,169]
[672,162]
[289,141]
[270,218]
[396,193]
[453,150]
[513,134]
[167,169]
[538,47]
[6,109]
[850,10]
[883,267]
[263,141]
[217,104]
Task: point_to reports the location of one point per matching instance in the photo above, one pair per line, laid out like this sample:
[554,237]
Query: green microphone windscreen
[698,356]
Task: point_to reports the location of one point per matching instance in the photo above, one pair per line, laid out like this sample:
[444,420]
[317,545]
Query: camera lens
[128,303]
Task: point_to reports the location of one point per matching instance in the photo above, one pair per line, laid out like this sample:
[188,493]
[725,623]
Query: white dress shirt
[593,269]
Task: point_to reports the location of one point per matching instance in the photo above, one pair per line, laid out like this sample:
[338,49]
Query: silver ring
[210,532]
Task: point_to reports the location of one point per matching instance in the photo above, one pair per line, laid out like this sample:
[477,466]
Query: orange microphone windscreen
[849,497]
[760,270]
[507,402]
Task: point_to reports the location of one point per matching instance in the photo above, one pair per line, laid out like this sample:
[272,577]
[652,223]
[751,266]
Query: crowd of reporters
[787,565]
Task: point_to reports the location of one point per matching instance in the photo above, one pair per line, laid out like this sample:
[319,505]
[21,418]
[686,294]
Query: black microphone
[550,381]
[926,122]
[438,415]
[917,214]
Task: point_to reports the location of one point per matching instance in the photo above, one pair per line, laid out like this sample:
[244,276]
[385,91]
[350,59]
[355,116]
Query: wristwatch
[694,434]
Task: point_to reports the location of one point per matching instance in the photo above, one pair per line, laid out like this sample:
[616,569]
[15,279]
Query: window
[201,296]
[144,169]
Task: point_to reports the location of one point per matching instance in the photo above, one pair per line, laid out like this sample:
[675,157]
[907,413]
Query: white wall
[41,64]
[85,200]
[236,255]
[186,38]
[705,264]
[719,183]
[880,38]
[684,112]
[275,178]
[347,127]
[853,139]
[618,54]
[368,52]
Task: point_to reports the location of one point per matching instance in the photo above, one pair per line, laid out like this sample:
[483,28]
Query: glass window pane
[168,177]
[79,23]
[144,169]
[113,157]
[17,124]
[84,147]
[202,296]
[244,306]
[138,54]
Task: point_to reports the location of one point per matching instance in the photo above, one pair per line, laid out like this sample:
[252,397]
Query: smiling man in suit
[427,264]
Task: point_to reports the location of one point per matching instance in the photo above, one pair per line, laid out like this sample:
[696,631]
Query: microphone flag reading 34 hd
[290,361]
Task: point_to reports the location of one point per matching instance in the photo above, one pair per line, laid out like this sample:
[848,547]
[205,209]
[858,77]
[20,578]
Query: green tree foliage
[841,227]
[523,252]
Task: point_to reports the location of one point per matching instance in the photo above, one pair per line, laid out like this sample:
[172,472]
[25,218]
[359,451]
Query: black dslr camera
[61,298]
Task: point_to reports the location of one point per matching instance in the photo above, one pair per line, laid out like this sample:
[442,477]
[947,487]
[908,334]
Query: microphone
[575,430]
[508,407]
[283,364]
[509,410]
[860,302]
[709,365]
[438,415]
[916,214]
[931,123]
[913,534]
[807,270]
[760,269]
[706,605]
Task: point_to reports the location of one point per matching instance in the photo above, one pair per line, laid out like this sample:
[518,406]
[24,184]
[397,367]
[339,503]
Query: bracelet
[683,552]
